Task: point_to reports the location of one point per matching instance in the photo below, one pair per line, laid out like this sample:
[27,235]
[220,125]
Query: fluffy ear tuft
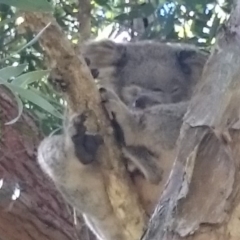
[103,53]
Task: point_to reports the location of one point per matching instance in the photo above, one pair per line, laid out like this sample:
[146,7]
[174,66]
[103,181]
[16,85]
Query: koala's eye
[176,89]
[157,90]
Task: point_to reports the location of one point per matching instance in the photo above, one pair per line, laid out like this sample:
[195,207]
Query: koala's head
[147,73]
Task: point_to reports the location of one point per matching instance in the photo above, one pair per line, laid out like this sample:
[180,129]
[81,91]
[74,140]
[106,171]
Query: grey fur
[146,72]
[155,129]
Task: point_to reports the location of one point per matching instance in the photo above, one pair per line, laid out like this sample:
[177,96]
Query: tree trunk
[39,212]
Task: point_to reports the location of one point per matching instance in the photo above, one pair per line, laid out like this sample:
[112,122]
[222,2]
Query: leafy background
[22,65]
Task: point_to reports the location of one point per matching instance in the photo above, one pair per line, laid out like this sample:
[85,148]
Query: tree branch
[82,95]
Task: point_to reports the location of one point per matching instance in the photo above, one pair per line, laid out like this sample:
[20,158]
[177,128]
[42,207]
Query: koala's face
[150,83]
[138,97]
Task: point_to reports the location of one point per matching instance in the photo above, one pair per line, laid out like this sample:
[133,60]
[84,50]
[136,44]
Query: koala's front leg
[145,162]
[129,123]
[80,181]
[119,112]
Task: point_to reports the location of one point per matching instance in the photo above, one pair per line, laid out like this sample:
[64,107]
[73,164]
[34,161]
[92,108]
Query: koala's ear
[103,53]
[189,59]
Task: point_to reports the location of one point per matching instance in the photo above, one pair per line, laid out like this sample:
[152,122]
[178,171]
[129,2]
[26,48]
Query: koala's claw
[110,102]
[87,60]
[94,71]
[108,95]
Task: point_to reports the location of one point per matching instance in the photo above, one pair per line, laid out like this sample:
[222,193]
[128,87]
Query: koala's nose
[145,101]
[141,102]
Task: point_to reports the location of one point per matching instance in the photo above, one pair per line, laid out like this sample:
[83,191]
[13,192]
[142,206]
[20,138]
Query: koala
[146,73]
[70,161]
[148,134]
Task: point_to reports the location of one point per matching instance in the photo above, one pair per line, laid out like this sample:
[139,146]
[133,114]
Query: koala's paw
[85,144]
[94,71]
[112,103]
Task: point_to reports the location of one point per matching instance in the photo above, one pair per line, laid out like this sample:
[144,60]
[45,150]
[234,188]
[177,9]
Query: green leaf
[48,98]
[35,99]
[147,9]
[138,11]
[18,100]
[122,17]
[30,5]
[8,72]
[169,25]
[20,108]
[103,3]
[7,20]
[30,43]
[30,77]
[214,28]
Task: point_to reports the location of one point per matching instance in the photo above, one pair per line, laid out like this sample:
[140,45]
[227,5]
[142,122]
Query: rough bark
[82,95]
[201,199]
[39,212]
